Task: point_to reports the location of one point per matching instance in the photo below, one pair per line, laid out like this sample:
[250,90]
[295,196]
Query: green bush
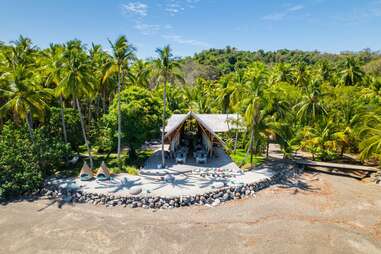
[24,165]
[141,120]
[132,170]
[72,122]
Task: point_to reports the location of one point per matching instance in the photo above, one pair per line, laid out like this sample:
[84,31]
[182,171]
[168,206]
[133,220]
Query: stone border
[212,198]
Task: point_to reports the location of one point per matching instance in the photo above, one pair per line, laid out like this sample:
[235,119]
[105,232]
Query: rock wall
[212,198]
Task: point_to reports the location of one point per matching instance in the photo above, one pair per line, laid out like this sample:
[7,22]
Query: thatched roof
[215,122]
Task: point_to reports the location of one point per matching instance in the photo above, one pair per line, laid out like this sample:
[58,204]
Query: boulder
[169,178]
[218,185]
[135,190]
[216,202]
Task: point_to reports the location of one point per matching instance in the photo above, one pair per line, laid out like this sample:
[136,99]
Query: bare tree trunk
[163,126]
[251,148]
[84,133]
[119,120]
[104,102]
[63,120]
[267,149]
[236,136]
[97,102]
[30,126]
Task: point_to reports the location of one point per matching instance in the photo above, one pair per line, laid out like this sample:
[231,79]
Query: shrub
[72,122]
[141,120]
[24,165]
[132,170]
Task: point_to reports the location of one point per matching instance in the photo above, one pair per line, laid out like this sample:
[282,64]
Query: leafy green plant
[24,164]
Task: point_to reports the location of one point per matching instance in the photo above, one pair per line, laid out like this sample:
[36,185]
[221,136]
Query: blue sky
[190,26]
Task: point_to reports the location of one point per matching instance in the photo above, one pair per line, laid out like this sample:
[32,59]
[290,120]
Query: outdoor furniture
[74,160]
[180,158]
[86,174]
[201,158]
[103,172]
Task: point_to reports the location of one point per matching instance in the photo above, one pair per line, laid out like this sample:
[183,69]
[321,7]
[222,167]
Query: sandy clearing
[316,213]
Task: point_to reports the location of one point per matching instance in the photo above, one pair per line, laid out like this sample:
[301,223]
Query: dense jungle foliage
[65,99]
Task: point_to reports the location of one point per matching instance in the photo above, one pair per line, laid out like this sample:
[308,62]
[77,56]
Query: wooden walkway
[358,171]
[336,165]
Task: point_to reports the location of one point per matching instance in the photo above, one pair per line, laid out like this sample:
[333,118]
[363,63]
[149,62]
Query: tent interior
[191,138]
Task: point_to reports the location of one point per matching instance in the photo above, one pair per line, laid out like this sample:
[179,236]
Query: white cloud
[359,15]
[147,29]
[136,8]
[181,40]
[278,16]
[295,8]
[174,7]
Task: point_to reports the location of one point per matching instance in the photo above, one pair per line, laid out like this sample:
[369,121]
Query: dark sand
[317,213]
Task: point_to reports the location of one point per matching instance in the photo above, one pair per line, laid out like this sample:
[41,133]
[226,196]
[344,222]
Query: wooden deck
[336,165]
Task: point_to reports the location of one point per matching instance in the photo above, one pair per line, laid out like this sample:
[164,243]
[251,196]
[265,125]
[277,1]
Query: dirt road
[317,213]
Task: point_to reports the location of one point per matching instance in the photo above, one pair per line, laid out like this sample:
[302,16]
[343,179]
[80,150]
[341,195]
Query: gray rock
[216,202]
[218,185]
[169,178]
[135,190]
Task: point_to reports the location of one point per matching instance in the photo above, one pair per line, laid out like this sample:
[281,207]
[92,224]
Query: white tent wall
[175,142]
[207,142]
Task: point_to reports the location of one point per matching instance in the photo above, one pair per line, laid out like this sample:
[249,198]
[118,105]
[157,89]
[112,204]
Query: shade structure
[86,173]
[209,125]
[103,172]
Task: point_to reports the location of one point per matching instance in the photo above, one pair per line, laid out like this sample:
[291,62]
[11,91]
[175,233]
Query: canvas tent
[209,126]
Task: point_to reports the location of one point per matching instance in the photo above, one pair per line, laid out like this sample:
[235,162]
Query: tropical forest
[104,104]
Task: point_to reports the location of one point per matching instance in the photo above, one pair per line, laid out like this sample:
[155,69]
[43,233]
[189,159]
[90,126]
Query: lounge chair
[180,158]
[103,172]
[86,174]
[201,158]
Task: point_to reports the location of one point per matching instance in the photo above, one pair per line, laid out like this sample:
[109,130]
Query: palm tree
[371,137]
[351,72]
[104,85]
[167,69]
[301,75]
[311,108]
[51,69]
[77,81]
[140,74]
[24,97]
[282,72]
[122,52]
[257,76]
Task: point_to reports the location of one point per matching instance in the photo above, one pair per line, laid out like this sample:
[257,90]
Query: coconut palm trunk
[119,119]
[30,124]
[236,137]
[63,120]
[163,125]
[252,147]
[84,132]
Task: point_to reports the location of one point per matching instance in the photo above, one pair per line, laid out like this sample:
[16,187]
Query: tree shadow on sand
[118,185]
[297,183]
[183,182]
